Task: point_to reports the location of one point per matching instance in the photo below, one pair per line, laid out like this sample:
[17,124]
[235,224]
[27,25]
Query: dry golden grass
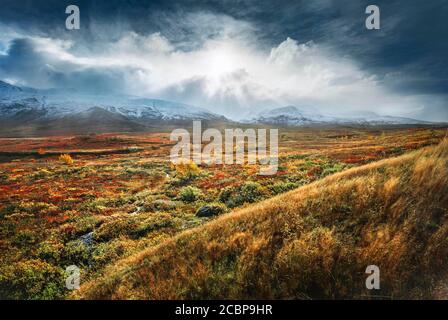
[312,242]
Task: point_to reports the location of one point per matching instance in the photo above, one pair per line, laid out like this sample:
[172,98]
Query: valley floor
[114,198]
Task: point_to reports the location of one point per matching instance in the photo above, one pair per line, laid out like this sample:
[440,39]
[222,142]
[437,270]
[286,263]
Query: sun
[222,63]
[221,60]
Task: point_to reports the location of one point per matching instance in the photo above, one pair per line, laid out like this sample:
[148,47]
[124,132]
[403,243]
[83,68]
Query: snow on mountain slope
[28,105]
[295,116]
[161,109]
[7,89]
[291,115]
[53,104]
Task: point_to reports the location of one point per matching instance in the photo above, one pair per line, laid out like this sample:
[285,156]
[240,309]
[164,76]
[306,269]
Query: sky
[240,57]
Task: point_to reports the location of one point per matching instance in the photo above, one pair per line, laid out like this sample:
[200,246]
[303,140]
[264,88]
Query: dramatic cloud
[234,62]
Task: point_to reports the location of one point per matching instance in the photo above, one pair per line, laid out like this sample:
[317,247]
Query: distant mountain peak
[9,88]
[58,110]
[45,108]
[300,116]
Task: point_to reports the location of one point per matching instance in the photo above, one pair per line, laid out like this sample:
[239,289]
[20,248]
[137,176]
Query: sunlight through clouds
[229,72]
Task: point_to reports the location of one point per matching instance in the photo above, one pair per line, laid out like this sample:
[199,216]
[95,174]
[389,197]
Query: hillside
[312,242]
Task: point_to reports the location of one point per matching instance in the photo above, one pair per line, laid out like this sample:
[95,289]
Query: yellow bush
[66,158]
[186,169]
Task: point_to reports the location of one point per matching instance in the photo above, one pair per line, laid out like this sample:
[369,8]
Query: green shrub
[189,194]
[24,239]
[49,252]
[250,192]
[32,279]
[99,204]
[3,177]
[8,209]
[136,171]
[160,205]
[106,252]
[114,229]
[282,187]
[76,252]
[150,225]
[332,168]
[226,194]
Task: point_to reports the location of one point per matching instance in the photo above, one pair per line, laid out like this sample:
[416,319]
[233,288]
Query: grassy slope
[312,242]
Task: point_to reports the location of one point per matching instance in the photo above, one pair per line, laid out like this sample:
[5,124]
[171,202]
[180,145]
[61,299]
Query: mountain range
[26,111]
[32,112]
[295,116]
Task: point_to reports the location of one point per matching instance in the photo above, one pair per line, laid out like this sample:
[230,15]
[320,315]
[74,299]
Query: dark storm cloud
[23,62]
[412,35]
[33,68]
[407,55]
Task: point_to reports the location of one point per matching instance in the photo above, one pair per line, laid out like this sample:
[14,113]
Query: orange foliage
[66,158]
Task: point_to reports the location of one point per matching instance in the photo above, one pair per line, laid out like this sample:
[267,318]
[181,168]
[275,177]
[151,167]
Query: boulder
[209,211]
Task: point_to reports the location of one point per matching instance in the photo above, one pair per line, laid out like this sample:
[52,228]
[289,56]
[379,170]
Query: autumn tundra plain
[114,205]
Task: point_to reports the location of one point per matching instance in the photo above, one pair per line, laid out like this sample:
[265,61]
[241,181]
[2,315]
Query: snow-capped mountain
[160,110]
[67,111]
[7,90]
[290,116]
[295,116]
[25,111]
[54,104]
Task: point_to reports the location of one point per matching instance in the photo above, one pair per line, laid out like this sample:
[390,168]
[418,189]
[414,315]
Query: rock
[87,239]
[209,211]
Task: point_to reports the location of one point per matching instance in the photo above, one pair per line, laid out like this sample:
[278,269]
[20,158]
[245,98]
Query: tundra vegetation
[140,227]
